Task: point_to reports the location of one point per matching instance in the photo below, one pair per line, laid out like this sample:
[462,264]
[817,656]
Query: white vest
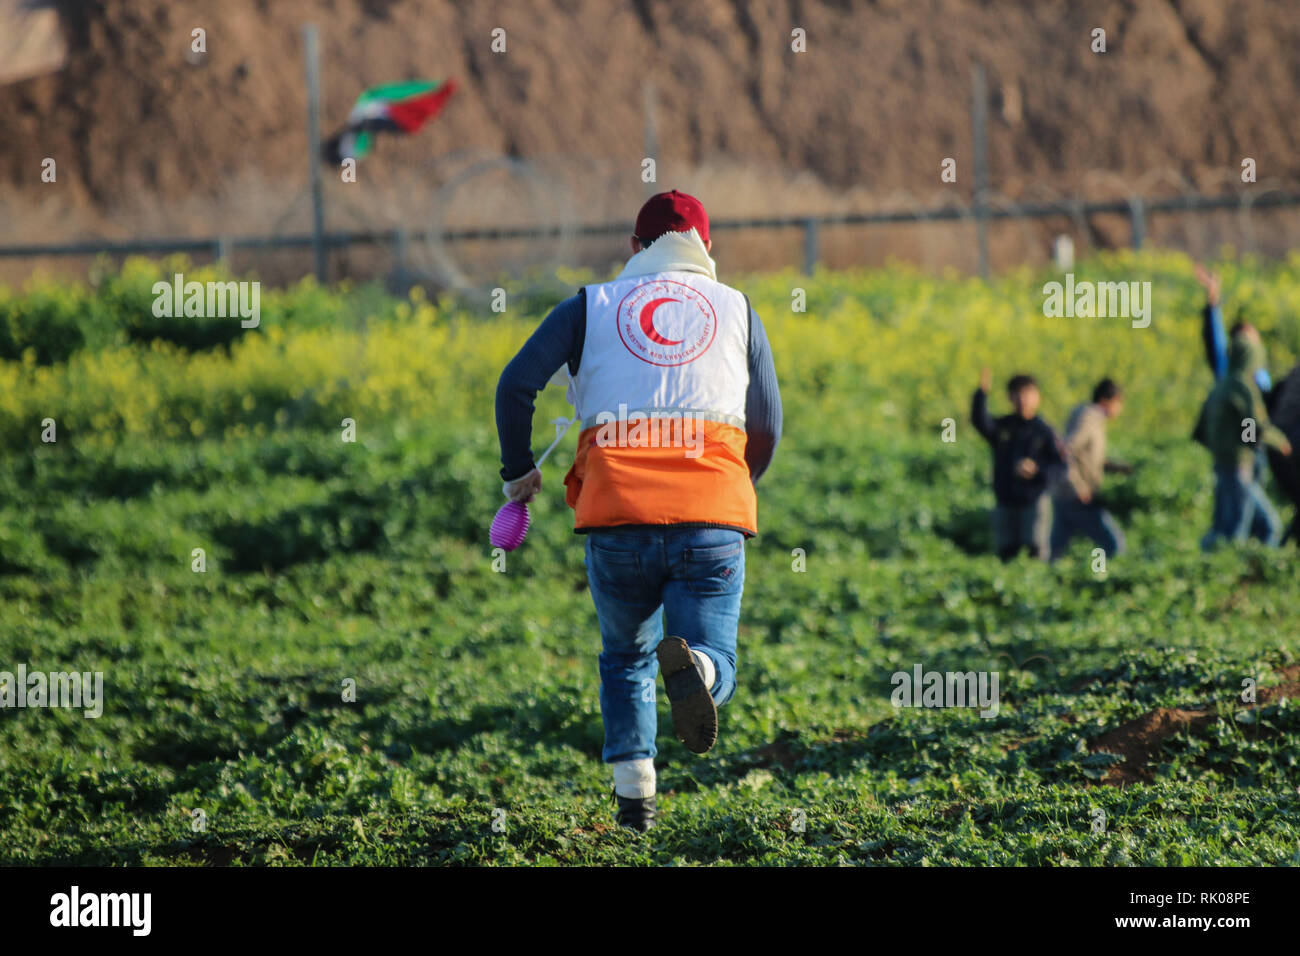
[669,342]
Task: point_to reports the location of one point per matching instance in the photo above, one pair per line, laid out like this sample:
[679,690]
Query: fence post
[311,44]
[399,254]
[221,250]
[810,251]
[1137,221]
[979,112]
[650,100]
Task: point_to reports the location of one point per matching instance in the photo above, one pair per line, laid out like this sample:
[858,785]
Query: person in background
[1233,424]
[1216,352]
[1077,507]
[1216,342]
[1027,459]
[1286,470]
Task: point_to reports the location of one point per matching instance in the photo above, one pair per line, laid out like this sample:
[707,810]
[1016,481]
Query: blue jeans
[695,576]
[1070,516]
[1241,509]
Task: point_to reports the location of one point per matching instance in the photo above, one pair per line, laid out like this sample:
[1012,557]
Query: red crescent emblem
[693,319]
[648,322]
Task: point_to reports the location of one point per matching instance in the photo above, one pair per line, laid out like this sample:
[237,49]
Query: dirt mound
[151,138]
[1289,689]
[1138,741]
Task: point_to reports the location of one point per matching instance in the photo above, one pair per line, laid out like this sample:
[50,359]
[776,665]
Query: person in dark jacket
[1286,416]
[1027,461]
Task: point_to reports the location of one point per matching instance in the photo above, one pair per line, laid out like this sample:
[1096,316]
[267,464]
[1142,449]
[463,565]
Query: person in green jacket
[1232,425]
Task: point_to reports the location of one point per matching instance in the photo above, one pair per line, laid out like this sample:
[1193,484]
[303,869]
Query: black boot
[635,813]
[695,717]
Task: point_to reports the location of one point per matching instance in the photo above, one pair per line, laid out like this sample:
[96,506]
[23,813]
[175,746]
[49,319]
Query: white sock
[710,672]
[634,778]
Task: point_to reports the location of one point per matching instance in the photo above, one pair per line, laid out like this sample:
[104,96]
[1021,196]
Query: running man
[1077,505]
[672,379]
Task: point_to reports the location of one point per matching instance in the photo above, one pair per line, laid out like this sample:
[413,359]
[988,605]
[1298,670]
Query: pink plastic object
[510,526]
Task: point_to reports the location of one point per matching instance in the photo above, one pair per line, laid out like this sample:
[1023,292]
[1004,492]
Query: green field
[476,690]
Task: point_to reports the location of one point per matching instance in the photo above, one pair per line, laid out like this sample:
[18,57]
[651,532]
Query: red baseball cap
[671,212]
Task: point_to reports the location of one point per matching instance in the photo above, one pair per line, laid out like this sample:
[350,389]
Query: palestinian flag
[397,107]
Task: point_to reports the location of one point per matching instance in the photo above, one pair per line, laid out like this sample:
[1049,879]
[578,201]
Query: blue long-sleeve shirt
[559,340]
[1216,347]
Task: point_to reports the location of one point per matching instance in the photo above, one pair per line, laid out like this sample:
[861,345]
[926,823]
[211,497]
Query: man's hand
[523,489]
[1085,496]
[1209,282]
[986,379]
[1026,468]
[1285,449]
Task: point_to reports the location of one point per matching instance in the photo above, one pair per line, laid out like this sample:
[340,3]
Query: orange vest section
[611,485]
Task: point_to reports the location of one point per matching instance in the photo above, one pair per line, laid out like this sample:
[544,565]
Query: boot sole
[695,717]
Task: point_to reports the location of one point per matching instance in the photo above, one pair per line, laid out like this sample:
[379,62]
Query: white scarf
[672,252]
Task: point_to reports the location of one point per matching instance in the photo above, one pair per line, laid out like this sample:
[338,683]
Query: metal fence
[399,240]
[471,179]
